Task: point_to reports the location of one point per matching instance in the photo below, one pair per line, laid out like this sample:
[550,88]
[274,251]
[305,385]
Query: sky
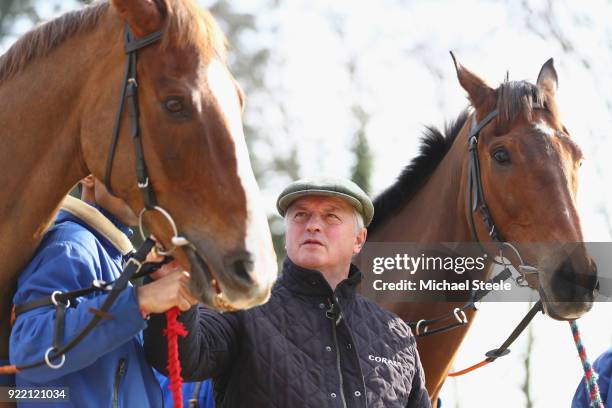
[404,79]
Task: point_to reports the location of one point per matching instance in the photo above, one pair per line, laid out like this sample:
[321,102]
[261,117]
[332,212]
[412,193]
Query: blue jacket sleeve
[65,267]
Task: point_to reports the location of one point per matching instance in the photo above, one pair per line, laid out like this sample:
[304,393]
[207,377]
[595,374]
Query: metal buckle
[522,268]
[57,302]
[135,262]
[176,240]
[144,184]
[50,364]
[417,328]
[472,142]
[460,316]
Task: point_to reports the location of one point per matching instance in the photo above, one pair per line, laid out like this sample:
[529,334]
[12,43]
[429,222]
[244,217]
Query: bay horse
[528,166]
[60,85]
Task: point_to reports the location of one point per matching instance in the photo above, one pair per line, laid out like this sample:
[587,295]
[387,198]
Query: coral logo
[385,361]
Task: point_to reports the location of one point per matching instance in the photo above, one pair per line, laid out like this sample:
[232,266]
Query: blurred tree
[11,9]
[362,169]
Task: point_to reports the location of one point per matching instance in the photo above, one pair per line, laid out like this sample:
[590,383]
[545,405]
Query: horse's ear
[143,16]
[479,92]
[547,78]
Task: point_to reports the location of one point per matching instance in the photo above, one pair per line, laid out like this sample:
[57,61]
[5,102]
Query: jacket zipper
[118,376]
[333,319]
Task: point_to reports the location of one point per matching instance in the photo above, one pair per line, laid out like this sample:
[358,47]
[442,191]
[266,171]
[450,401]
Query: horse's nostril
[572,285]
[242,269]
[563,284]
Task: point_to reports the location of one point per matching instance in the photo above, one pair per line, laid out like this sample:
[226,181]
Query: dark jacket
[306,347]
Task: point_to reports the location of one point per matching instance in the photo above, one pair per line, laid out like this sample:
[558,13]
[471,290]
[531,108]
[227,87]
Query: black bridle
[475,195]
[129,92]
[476,203]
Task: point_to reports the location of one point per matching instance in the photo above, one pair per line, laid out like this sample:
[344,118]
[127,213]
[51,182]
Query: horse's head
[193,146]
[529,171]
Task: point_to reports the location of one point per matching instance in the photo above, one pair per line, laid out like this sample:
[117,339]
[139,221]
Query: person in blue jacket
[603,367]
[89,241]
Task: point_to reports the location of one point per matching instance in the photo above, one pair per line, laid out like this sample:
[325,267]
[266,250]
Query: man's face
[322,234]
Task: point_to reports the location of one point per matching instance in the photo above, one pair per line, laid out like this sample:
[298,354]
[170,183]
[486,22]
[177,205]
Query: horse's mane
[188,23]
[513,98]
[434,146]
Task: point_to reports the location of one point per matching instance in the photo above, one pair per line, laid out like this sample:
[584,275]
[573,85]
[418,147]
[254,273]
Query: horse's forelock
[516,98]
[189,24]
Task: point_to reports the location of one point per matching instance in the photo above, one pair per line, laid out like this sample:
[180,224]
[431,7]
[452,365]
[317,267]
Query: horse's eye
[174,105]
[501,156]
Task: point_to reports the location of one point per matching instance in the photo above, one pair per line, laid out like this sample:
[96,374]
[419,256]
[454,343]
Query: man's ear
[143,16]
[360,240]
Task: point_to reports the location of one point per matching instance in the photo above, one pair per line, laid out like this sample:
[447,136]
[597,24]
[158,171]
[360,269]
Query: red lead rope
[174,329]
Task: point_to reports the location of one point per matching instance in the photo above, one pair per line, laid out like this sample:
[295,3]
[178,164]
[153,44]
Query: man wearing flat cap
[316,342]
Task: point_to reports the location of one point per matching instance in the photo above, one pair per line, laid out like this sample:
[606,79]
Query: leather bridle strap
[475,192]
[129,91]
[503,350]
[132,267]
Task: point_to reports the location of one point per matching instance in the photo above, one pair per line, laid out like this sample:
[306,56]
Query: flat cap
[327,186]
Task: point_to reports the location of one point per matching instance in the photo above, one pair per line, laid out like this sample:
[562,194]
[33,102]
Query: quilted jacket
[308,346]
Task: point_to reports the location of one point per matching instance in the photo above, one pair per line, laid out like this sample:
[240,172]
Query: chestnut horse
[528,167]
[60,85]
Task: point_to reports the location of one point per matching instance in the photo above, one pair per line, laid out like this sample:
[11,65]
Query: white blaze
[258,239]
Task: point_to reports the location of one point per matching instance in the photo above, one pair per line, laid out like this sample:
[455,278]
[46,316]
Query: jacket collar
[310,282]
[98,220]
